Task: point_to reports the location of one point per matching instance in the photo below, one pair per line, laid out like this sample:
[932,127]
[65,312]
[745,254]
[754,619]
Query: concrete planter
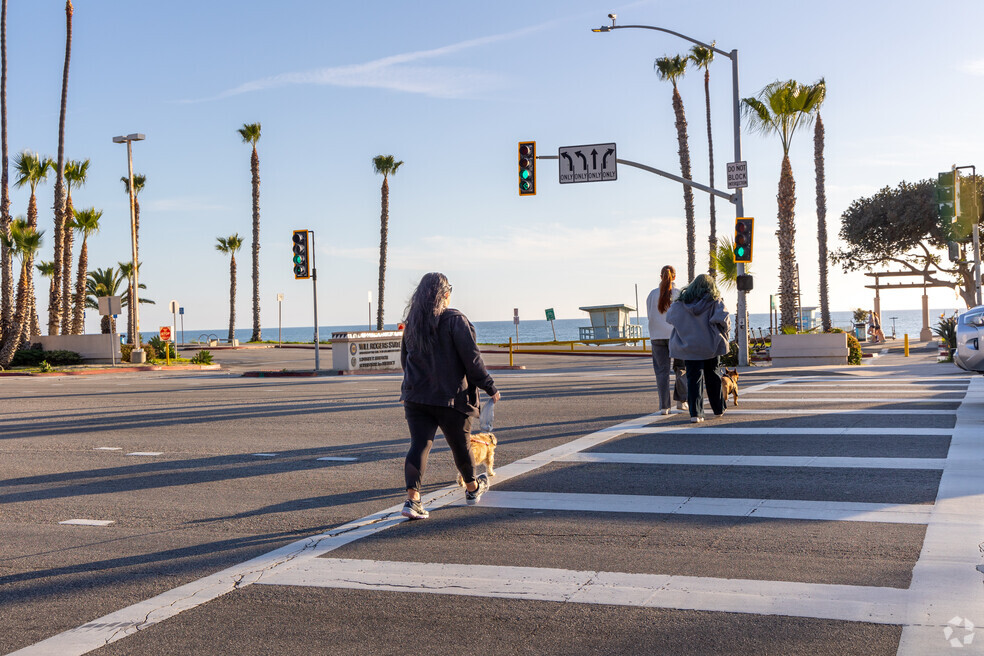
[94,349]
[809,350]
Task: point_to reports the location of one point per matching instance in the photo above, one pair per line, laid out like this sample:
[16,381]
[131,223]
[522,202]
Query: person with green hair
[701,325]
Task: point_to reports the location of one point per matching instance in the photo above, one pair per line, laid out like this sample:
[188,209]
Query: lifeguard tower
[609,322]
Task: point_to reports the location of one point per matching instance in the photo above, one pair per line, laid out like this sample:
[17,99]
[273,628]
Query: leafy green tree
[76,172]
[702,57]
[672,69]
[55,291]
[139,180]
[384,165]
[230,246]
[250,133]
[781,108]
[87,223]
[23,243]
[900,227]
[103,282]
[820,88]
[31,170]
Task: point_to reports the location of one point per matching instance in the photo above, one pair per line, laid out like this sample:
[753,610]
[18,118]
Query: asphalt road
[799,523]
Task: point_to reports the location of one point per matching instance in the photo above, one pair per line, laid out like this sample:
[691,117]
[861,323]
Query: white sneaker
[682,405]
[664,411]
[696,420]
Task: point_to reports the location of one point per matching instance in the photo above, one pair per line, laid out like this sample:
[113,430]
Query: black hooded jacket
[451,373]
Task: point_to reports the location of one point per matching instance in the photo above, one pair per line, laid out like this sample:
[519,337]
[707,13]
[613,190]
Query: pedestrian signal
[527,168]
[743,239]
[302,267]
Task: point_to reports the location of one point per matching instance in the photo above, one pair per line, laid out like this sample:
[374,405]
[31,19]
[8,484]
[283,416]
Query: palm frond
[250,133]
[701,57]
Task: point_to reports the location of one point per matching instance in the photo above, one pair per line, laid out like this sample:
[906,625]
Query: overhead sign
[591,163]
[166,333]
[737,175]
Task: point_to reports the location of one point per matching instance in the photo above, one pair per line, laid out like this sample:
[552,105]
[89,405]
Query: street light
[134,286]
[739,202]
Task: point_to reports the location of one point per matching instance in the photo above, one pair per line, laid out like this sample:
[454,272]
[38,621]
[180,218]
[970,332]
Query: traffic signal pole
[741,323]
[314,286]
[975,234]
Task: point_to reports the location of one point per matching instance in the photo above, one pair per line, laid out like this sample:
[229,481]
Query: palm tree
[31,170]
[139,180]
[702,57]
[672,69]
[126,271]
[385,165]
[6,260]
[820,93]
[87,223]
[781,108]
[76,172]
[55,290]
[23,242]
[231,246]
[103,282]
[250,132]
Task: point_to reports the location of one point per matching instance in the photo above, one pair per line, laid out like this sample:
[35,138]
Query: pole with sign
[516,322]
[181,313]
[166,334]
[550,318]
[280,320]
[173,307]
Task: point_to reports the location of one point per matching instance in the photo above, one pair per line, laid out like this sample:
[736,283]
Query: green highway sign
[550,314]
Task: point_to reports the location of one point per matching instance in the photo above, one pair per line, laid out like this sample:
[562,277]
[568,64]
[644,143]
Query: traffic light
[947,193]
[302,267]
[527,168]
[743,239]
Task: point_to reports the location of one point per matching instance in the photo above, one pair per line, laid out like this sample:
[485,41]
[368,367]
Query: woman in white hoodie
[659,333]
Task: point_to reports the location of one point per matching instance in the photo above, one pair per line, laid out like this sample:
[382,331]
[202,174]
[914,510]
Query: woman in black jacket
[442,372]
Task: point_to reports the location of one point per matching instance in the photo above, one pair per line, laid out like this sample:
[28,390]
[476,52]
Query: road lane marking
[146,453]
[890,513]
[108,448]
[857,400]
[338,459]
[756,461]
[87,522]
[820,600]
[724,428]
[946,581]
[265,455]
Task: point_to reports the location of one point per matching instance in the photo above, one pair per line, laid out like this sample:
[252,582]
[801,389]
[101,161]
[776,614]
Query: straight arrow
[594,159]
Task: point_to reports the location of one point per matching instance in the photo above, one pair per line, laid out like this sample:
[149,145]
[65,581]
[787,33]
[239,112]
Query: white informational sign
[172,307]
[591,163]
[110,305]
[737,175]
[366,351]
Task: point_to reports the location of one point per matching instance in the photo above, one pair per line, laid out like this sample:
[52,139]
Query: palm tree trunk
[712,238]
[67,242]
[6,258]
[818,134]
[232,299]
[55,291]
[383,235]
[78,318]
[688,192]
[786,237]
[15,337]
[254,165]
[30,326]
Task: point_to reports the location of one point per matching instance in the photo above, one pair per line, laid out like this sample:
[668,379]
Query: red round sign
[166,333]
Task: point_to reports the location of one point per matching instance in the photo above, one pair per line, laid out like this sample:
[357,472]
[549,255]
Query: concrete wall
[94,349]
[809,350]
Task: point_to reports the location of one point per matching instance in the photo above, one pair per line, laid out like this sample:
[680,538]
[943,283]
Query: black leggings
[697,372]
[423,421]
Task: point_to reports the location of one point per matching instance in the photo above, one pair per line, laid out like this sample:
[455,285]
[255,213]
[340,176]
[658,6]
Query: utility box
[609,322]
[370,350]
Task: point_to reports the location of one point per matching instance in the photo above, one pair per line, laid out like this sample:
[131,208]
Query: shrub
[45,367]
[854,352]
[33,357]
[731,358]
[946,330]
[202,357]
[860,315]
[125,350]
[161,347]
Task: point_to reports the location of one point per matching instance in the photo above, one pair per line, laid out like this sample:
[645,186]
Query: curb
[117,370]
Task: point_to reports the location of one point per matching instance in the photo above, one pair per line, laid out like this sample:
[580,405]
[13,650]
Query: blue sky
[450,88]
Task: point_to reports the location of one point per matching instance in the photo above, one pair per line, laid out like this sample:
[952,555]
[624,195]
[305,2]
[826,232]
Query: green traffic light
[525,174]
[740,251]
[298,259]
[525,185]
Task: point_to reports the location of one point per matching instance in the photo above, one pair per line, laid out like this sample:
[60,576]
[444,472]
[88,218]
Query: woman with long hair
[442,373]
[700,334]
[660,332]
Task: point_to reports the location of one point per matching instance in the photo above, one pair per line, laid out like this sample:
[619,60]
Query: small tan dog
[729,384]
[482,448]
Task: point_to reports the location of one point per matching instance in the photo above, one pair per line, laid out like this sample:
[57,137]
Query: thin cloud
[393,73]
[975,67]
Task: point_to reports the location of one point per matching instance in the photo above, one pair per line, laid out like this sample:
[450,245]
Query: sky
[450,88]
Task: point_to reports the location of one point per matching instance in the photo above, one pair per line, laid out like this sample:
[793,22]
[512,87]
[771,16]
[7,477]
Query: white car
[970,340]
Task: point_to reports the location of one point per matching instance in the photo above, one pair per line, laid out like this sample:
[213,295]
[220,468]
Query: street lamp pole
[134,284]
[738,197]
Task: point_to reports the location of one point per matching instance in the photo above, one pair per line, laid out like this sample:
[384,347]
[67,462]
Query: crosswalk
[908,420]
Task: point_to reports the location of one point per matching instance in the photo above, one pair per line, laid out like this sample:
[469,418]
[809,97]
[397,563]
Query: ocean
[898,322]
